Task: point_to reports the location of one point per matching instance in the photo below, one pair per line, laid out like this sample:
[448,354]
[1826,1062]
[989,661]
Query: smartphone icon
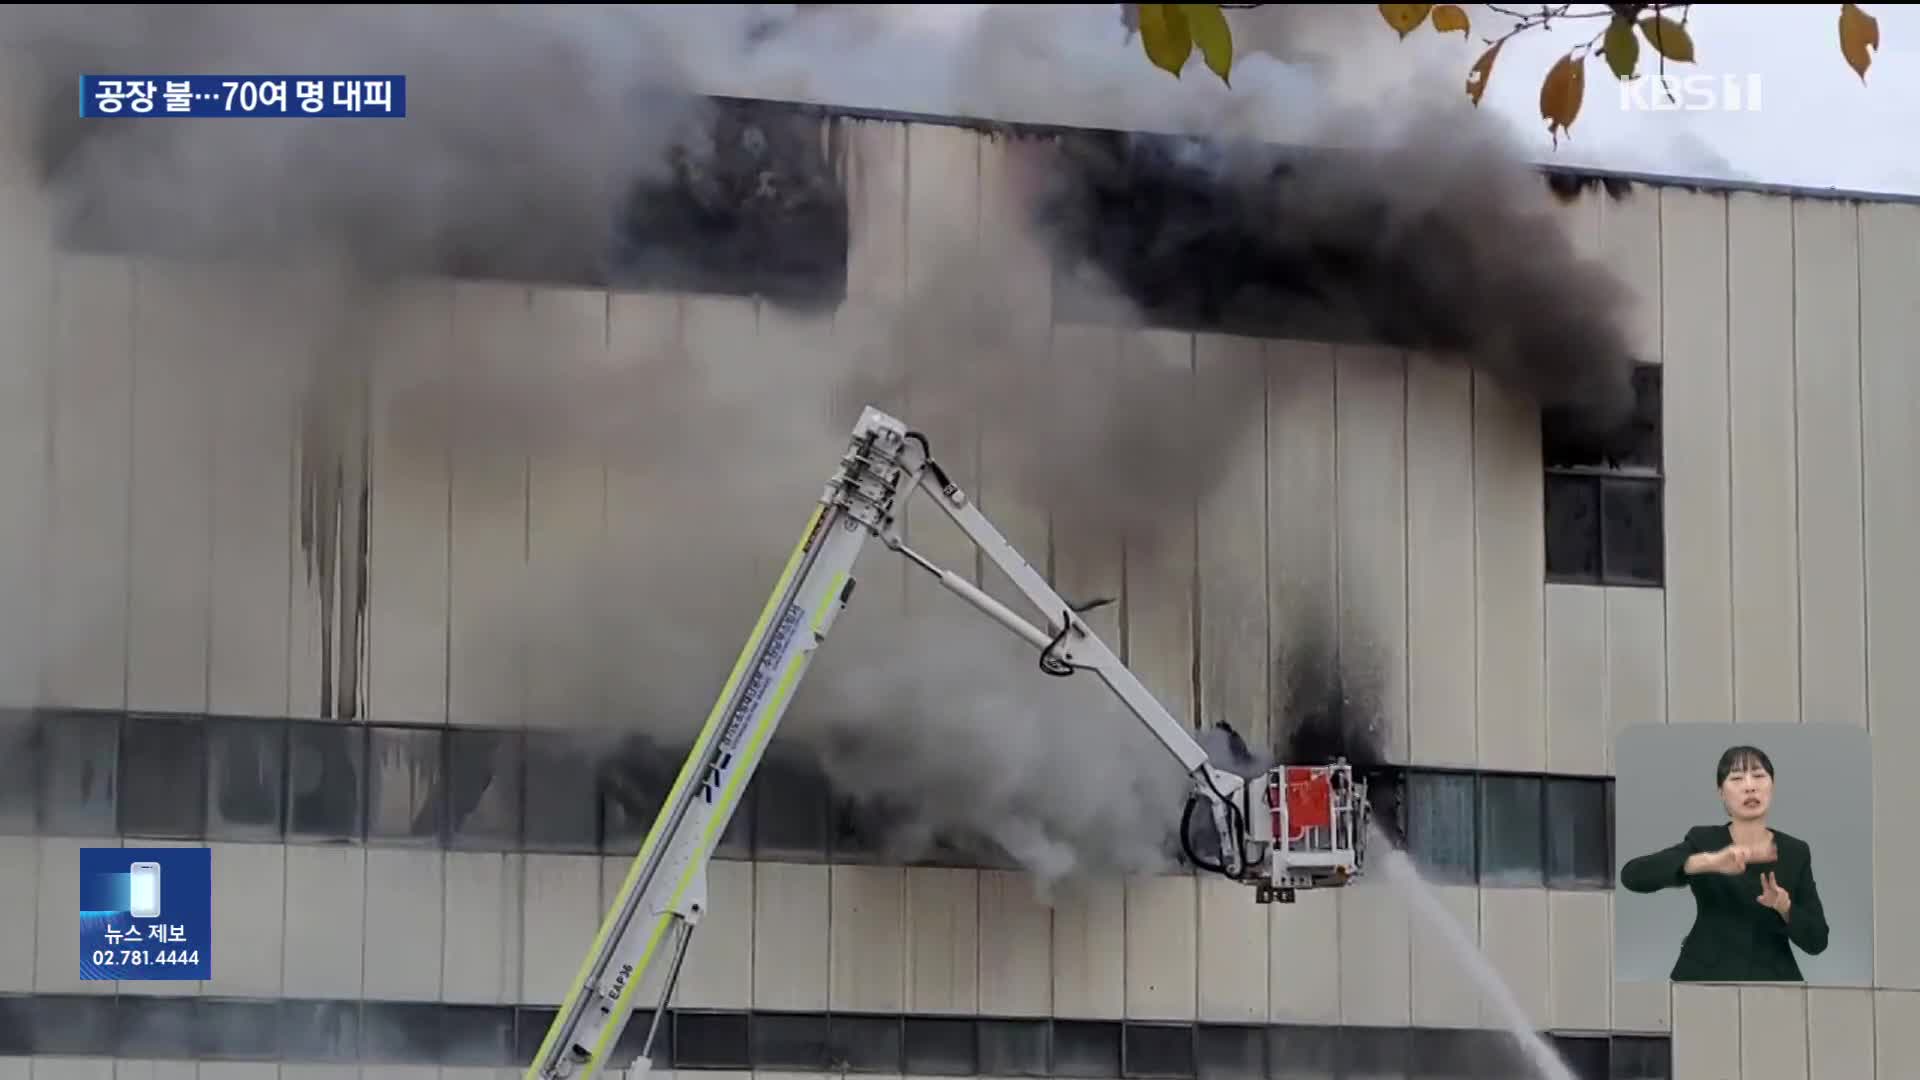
[143,893]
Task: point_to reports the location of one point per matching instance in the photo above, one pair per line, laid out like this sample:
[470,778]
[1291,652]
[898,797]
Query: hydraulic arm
[1292,827]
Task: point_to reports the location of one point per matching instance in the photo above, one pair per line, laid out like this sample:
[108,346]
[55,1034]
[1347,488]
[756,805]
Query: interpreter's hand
[1731,860]
[1773,896]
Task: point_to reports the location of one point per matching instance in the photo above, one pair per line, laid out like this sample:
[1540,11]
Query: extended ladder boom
[664,895]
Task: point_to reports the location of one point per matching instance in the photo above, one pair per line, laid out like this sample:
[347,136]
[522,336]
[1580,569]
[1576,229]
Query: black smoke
[1443,242]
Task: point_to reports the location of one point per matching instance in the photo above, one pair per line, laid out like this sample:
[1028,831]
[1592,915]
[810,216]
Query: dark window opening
[1605,506]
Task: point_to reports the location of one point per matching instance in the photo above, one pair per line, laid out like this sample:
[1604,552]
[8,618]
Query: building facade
[310,653]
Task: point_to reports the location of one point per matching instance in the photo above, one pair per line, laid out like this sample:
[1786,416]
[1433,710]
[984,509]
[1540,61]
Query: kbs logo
[1691,93]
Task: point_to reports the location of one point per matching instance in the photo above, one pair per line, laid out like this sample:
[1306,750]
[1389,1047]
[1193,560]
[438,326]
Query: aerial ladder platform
[1288,828]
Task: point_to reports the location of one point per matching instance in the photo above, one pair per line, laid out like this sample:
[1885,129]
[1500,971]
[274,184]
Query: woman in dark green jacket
[1753,891]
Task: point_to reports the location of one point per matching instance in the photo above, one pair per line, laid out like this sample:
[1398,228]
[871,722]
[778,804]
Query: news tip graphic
[206,96]
[146,914]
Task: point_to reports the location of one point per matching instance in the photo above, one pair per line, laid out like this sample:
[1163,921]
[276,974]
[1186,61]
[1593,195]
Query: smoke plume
[550,143]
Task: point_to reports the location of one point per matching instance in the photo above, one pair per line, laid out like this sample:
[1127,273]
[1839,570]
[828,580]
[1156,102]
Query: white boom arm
[1295,827]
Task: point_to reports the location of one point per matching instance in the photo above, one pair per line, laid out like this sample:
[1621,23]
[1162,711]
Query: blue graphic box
[146,914]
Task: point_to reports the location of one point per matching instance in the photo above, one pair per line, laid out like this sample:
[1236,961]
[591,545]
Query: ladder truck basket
[1318,825]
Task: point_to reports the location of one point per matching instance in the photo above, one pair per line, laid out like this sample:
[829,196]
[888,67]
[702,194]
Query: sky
[1816,124]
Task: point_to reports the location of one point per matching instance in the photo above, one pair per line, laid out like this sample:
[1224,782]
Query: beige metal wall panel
[1231,547]
[486,674]
[73,1068]
[1307,968]
[1159,569]
[176,311]
[85,623]
[1839,1033]
[1576,680]
[1826,345]
[876,179]
[19,888]
[1706,1031]
[1760,411]
[791,929]
[412,403]
[1642,1007]
[943,940]
[249,939]
[1773,1033]
[1510,579]
[1162,947]
[255,379]
[26,306]
[1088,563]
[1016,945]
[646,347]
[1694,435]
[1443,997]
[941,332]
[1630,231]
[480,949]
[326,924]
[1090,951]
[1896,1033]
[1441,591]
[1302,545]
[566,511]
[561,911]
[406,924]
[1636,661]
[1376,956]
[718,971]
[1370,465]
[1233,952]
[1890,440]
[1580,960]
[868,960]
[1516,936]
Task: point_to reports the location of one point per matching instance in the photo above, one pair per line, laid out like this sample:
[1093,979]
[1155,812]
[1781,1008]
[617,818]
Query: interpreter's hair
[1742,757]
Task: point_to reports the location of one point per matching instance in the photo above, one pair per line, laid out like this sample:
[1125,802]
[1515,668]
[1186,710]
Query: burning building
[384,508]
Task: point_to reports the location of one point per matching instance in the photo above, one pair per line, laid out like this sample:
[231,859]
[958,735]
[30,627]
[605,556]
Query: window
[562,801]
[940,1046]
[1579,834]
[1089,1048]
[864,1044]
[1230,1052]
[1605,508]
[1512,836]
[1014,1047]
[79,774]
[790,1041]
[246,773]
[406,785]
[1441,833]
[1159,1050]
[484,772]
[326,779]
[19,739]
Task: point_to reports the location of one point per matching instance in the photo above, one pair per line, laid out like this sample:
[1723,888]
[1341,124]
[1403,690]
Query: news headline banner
[146,914]
[203,96]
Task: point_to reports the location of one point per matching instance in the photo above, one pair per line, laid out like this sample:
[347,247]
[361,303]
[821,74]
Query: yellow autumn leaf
[1482,71]
[1668,38]
[1405,18]
[1622,49]
[1859,32]
[1561,94]
[1449,17]
[1207,26]
[1163,33]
